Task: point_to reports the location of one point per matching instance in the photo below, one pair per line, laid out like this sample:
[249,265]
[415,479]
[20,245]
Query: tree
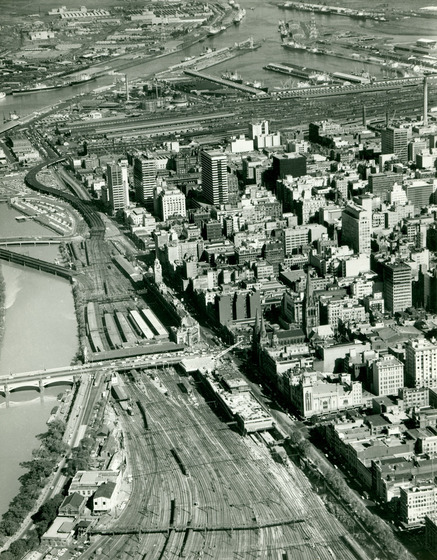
[304,446]
[9,524]
[6,555]
[19,548]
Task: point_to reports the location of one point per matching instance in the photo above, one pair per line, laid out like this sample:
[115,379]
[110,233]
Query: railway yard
[283,110]
[199,489]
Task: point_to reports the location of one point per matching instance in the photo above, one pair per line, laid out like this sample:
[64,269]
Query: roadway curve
[91,216]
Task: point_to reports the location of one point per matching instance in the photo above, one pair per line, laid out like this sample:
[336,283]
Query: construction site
[200,489]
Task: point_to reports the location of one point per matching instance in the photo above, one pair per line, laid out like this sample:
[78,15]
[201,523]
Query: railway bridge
[37,264]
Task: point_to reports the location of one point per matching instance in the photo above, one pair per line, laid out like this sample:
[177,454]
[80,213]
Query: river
[40,333]
[262,24]
[40,322]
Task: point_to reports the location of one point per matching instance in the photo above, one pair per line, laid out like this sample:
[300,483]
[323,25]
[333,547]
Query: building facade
[214,177]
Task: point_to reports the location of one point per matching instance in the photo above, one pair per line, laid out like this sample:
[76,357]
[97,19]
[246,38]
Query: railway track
[235,502]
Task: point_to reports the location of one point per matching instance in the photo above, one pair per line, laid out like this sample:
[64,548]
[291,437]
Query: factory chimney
[364,116]
[126,83]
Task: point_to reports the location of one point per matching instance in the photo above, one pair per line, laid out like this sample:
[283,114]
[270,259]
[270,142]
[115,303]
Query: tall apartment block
[144,179]
[397,286]
[214,177]
[395,141]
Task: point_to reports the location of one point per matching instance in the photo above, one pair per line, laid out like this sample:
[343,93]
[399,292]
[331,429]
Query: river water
[262,24]
[40,333]
[40,322]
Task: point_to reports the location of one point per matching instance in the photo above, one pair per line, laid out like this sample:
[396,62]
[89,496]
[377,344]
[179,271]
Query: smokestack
[364,116]
[387,120]
[126,83]
[425,101]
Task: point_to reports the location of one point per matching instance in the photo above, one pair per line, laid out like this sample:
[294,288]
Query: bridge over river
[40,240]
[37,264]
[40,379]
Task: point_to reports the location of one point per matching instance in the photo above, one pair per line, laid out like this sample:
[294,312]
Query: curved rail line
[92,218]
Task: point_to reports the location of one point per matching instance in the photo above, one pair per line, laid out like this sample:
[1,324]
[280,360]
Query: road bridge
[69,373]
[37,264]
[35,383]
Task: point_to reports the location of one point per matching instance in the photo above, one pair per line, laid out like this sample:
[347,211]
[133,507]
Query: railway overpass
[37,264]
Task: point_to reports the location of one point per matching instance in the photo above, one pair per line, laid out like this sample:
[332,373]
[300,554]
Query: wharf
[228,83]
[328,91]
[334,10]
[290,70]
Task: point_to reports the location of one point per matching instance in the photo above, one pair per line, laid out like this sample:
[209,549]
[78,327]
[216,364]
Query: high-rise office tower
[118,194]
[397,286]
[214,177]
[144,179]
[395,141]
[420,363]
[171,202]
[380,184]
[356,228]
[259,128]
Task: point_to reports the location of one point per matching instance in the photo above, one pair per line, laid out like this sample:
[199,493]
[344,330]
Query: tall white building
[421,363]
[171,202]
[416,502]
[123,163]
[214,177]
[356,228]
[118,194]
[258,129]
[388,376]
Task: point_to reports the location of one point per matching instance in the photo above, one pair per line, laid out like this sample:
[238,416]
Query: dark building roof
[73,500]
[105,490]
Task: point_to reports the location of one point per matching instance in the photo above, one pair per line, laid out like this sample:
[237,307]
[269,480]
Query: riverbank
[2,305]
[39,471]
[79,305]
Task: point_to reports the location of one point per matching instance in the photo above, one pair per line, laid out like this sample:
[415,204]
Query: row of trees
[42,520]
[38,471]
[80,456]
[81,329]
[2,305]
[373,524]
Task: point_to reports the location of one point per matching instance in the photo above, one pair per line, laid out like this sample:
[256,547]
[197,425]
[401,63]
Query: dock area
[227,83]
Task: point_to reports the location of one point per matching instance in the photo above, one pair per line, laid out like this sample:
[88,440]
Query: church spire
[308,287]
[262,329]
